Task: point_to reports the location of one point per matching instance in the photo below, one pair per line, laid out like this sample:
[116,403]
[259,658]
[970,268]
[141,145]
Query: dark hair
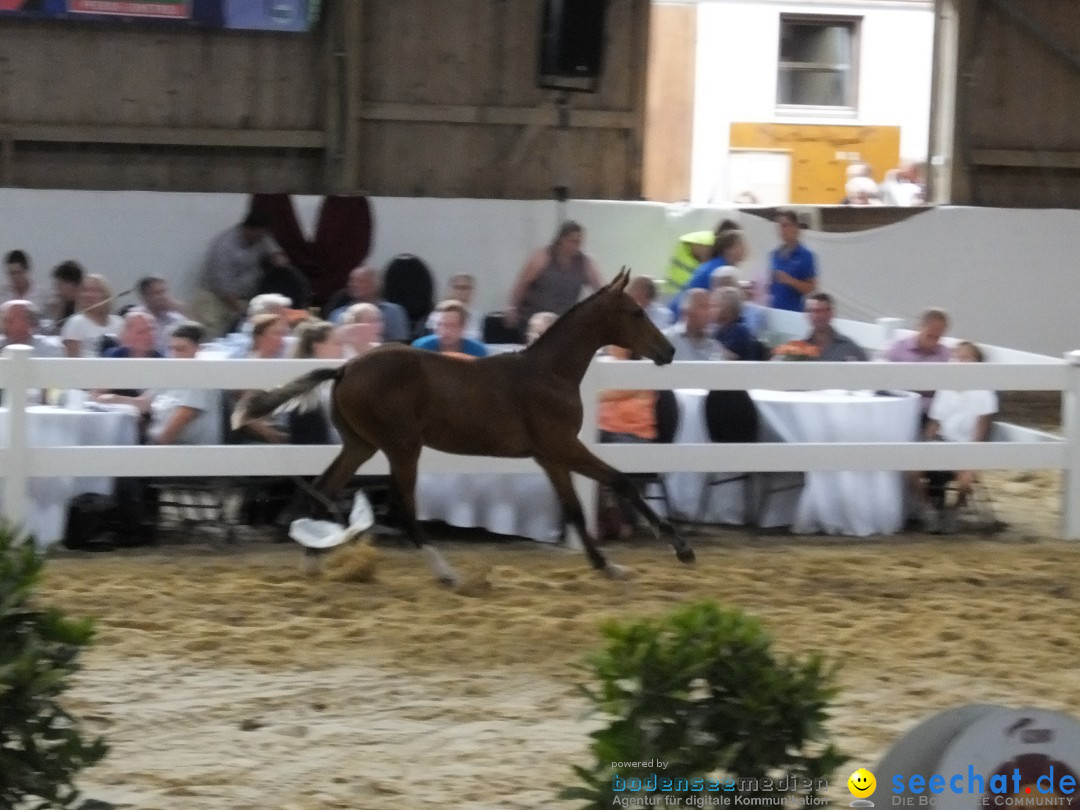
[823,297]
[189,330]
[144,283]
[69,271]
[254,219]
[565,230]
[725,240]
[975,349]
[724,226]
[17,257]
[788,215]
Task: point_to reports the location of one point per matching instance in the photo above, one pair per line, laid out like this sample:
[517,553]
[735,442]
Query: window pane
[817,43]
[820,87]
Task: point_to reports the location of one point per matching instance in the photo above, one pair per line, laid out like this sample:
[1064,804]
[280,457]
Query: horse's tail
[300,393]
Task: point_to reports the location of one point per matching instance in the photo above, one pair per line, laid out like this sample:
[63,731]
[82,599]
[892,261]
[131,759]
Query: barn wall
[394,97]
[1016,142]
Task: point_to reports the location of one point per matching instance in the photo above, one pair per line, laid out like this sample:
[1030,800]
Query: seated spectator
[731,331]
[553,279]
[362,287]
[690,336]
[281,278]
[462,287]
[361,329]
[19,326]
[623,417]
[729,250]
[449,332]
[901,186]
[232,273]
[268,333]
[189,416]
[238,343]
[954,416]
[832,346]
[83,332]
[20,284]
[19,323]
[67,282]
[924,346]
[643,290]
[316,340]
[538,324]
[167,311]
[138,339]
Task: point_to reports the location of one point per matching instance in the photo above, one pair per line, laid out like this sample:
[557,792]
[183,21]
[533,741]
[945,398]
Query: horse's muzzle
[663,354]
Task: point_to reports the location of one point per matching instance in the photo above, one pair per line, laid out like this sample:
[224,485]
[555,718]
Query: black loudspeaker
[572,44]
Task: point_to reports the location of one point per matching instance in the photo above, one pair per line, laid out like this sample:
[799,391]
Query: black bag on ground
[90,519]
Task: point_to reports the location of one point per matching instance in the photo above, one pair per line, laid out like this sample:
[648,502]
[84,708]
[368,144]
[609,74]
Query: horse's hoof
[685,555]
[449,582]
[613,571]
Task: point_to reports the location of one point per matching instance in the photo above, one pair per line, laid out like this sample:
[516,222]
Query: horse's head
[627,325]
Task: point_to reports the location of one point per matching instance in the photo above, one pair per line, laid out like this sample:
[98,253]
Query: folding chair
[731,417]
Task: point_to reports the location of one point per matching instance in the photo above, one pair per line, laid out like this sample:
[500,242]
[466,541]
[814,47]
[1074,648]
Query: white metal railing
[1025,449]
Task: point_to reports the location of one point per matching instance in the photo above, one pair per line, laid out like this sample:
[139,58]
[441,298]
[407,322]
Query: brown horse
[398,399]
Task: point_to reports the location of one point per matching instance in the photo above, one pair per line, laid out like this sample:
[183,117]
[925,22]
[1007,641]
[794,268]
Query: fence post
[16,479]
[587,489]
[1070,424]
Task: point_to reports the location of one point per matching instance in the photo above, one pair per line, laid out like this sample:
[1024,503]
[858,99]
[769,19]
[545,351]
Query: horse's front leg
[403,463]
[585,463]
[559,475]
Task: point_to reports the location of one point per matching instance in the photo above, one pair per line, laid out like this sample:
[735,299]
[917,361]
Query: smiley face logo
[862,783]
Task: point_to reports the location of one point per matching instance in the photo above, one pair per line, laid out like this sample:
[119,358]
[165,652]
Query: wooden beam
[496,116]
[352,168]
[1026,158]
[333,157]
[166,136]
[635,136]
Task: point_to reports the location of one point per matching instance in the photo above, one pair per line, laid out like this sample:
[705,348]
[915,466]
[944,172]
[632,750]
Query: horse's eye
[639,313]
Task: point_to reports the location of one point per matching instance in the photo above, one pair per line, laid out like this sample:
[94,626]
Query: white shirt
[203,429]
[89,333]
[958,412]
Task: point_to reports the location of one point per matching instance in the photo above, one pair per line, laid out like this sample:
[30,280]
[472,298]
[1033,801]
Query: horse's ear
[619,284]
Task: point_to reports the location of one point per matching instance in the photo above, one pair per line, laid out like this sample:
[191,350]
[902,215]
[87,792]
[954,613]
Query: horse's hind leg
[403,472]
[572,513]
[583,462]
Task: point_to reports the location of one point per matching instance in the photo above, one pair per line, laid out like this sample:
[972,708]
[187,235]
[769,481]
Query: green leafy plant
[41,749]
[702,692]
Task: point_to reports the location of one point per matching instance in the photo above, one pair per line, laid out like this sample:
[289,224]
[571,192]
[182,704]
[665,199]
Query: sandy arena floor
[226,679]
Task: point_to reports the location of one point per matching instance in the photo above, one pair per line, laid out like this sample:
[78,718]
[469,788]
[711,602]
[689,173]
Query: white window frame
[845,111]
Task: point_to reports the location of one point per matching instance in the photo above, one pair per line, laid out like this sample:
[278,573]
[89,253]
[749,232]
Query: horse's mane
[559,323]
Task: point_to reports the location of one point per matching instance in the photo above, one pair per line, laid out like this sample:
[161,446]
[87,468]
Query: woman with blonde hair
[83,332]
[318,340]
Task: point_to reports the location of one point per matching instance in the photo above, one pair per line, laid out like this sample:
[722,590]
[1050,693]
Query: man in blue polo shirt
[450,319]
[792,267]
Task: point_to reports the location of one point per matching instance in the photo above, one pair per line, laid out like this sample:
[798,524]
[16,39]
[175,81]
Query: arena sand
[227,679]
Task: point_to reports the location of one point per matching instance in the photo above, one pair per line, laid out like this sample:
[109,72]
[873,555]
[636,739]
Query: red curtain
[342,238]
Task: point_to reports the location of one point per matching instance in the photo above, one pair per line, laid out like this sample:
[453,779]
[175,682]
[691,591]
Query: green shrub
[41,749]
[702,692]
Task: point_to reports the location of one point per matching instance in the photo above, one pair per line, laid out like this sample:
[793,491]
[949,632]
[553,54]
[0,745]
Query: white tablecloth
[522,504]
[852,503]
[58,427]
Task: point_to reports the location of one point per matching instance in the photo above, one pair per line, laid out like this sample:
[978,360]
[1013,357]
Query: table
[60,427]
[851,503]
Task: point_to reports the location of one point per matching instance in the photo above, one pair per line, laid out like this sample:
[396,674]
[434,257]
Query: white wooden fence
[1005,370]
